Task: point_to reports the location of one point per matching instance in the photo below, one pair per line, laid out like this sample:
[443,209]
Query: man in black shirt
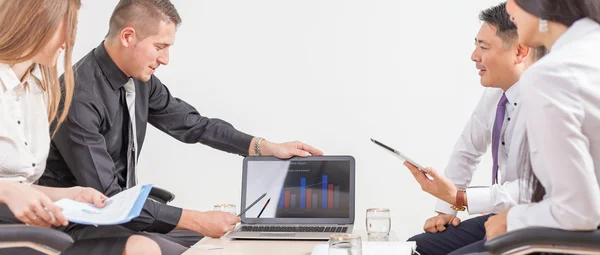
[116,96]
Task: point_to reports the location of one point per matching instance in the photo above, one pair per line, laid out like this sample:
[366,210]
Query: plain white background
[331,73]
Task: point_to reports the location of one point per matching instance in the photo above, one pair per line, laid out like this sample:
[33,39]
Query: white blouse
[24,127]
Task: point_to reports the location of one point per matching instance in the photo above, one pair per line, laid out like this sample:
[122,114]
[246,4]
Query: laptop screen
[300,188]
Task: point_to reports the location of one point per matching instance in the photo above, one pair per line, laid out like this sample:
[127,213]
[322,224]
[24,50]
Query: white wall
[332,73]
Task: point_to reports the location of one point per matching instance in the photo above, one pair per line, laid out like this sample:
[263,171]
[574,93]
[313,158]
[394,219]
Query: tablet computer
[399,155]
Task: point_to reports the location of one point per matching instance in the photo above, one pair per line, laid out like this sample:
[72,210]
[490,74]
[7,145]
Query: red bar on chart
[308,198]
[287,199]
[330,196]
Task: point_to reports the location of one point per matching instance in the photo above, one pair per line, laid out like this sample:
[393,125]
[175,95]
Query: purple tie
[500,111]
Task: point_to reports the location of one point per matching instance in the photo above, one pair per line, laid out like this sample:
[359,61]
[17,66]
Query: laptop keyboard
[294,229]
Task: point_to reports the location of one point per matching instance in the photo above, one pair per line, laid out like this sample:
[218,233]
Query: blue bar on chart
[336,199]
[324,191]
[281,201]
[315,199]
[302,192]
[293,202]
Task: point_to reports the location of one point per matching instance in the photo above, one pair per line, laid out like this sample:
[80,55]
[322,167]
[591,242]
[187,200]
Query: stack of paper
[120,208]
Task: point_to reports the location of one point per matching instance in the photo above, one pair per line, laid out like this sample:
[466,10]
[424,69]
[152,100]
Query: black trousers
[103,240]
[175,242]
[466,238]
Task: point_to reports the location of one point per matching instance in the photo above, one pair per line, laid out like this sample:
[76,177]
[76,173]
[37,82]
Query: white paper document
[120,208]
[374,248]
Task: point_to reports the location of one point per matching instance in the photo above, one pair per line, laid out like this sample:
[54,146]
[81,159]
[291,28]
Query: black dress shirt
[90,148]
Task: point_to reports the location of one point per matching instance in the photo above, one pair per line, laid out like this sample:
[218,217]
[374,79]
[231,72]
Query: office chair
[51,241]
[545,240]
[161,195]
[44,240]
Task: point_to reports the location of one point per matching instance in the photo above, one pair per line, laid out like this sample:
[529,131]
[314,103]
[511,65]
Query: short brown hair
[142,15]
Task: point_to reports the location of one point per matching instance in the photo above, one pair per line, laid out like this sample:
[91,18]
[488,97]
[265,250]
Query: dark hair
[499,18]
[538,52]
[565,12]
[143,15]
[535,190]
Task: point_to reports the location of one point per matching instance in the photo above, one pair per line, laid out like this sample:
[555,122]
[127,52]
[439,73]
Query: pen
[250,206]
[263,209]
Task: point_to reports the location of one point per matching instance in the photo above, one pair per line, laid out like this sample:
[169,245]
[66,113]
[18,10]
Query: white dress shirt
[562,112]
[24,128]
[473,143]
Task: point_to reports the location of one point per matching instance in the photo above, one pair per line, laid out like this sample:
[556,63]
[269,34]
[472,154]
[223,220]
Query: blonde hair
[27,26]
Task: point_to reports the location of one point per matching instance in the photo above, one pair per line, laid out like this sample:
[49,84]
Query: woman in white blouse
[32,35]
[561,95]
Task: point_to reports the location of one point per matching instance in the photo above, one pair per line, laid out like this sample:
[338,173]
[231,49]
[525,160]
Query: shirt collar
[579,29]
[513,93]
[8,77]
[112,72]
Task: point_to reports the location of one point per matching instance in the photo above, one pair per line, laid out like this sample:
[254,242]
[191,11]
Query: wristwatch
[460,200]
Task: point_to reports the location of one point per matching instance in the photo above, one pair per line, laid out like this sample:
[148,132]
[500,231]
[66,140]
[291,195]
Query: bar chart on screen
[321,195]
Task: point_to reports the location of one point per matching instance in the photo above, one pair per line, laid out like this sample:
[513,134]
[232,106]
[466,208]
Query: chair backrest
[549,240]
[44,240]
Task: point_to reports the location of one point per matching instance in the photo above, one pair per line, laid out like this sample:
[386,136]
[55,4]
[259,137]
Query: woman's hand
[30,205]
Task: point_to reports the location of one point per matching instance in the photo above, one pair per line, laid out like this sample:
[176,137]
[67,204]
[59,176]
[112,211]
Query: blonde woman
[32,35]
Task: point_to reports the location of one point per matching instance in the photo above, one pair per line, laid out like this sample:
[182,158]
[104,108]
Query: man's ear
[521,53]
[128,37]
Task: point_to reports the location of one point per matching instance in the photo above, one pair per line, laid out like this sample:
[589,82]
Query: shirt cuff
[155,217]
[241,141]
[480,200]
[443,207]
[166,219]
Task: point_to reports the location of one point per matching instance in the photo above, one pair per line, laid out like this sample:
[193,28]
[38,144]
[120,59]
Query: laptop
[306,198]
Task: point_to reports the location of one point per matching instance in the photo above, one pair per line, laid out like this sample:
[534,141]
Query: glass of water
[379,223]
[228,208]
[345,244]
